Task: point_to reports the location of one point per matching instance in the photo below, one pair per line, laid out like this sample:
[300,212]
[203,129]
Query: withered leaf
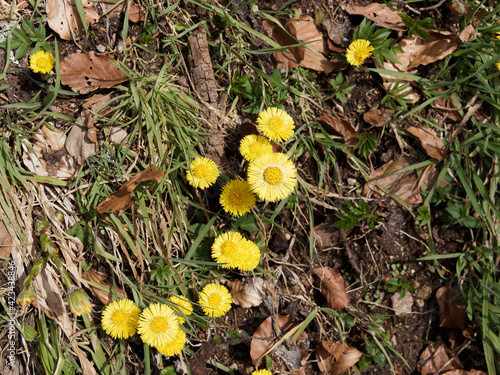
[338,123]
[121,200]
[63,17]
[332,286]
[247,294]
[336,358]
[86,72]
[431,142]
[378,117]
[264,337]
[436,356]
[383,16]
[463,372]
[6,240]
[451,312]
[105,297]
[79,143]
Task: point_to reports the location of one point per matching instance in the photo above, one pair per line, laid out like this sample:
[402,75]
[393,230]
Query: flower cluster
[234,251]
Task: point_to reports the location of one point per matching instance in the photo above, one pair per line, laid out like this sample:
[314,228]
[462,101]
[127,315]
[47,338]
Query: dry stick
[433,6]
[403,3]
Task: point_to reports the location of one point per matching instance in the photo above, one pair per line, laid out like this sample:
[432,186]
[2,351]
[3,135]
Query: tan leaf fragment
[305,30]
[431,142]
[378,117]
[7,242]
[63,18]
[436,356]
[326,236]
[451,312]
[47,156]
[383,16]
[338,123]
[103,291]
[135,13]
[247,294]
[463,372]
[80,143]
[332,287]
[264,337]
[121,200]
[336,358]
[88,72]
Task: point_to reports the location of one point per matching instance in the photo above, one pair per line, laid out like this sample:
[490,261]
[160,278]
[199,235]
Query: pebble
[100,48]
[419,302]
[402,306]
[424,292]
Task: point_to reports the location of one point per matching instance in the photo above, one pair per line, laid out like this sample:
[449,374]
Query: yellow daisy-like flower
[175,346]
[237,197]
[182,306]
[228,248]
[120,319]
[275,124]
[358,51]
[262,372]
[158,325]
[253,145]
[203,173]
[272,176]
[250,257]
[498,34]
[498,66]
[42,62]
[215,300]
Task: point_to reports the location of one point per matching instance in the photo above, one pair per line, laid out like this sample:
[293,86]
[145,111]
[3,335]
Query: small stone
[424,292]
[100,48]
[416,284]
[402,306]
[420,302]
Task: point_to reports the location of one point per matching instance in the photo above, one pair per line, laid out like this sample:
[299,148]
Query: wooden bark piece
[206,87]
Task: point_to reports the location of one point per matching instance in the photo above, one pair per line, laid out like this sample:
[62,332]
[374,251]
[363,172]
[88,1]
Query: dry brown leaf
[378,117]
[264,337]
[463,372]
[105,297]
[336,358]
[383,16]
[431,142]
[6,240]
[305,30]
[86,72]
[337,32]
[247,294]
[326,236]
[135,13]
[80,143]
[121,200]
[340,125]
[436,356]
[451,313]
[63,17]
[332,286]
[48,157]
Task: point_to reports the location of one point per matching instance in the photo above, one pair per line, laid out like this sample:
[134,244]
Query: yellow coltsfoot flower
[237,197]
[182,307]
[253,145]
[78,301]
[276,124]
[358,51]
[175,346]
[272,176]
[250,257]
[262,372]
[203,173]
[228,248]
[120,319]
[158,325]
[42,62]
[215,300]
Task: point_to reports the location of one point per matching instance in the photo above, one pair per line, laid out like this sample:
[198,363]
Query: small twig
[433,6]
[403,3]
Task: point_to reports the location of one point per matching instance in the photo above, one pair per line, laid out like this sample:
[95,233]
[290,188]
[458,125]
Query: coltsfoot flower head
[78,301]
[262,372]
[26,297]
[237,197]
[272,176]
[250,257]
[358,51]
[182,306]
[120,319]
[275,124]
[498,66]
[215,300]
[228,248]
[158,325]
[42,62]
[203,173]
[175,346]
[253,145]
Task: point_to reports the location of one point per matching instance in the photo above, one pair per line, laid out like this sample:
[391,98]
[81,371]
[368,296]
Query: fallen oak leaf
[332,287]
[383,16]
[86,72]
[341,125]
[336,358]
[247,294]
[63,17]
[431,142]
[121,199]
[434,357]
[451,312]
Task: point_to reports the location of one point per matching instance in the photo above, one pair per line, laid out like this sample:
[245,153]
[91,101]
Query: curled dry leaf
[337,123]
[104,296]
[48,156]
[86,72]
[463,372]
[6,240]
[63,17]
[80,143]
[378,117]
[325,236]
[332,286]
[336,358]
[451,312]
[434,357]
[431,142]
[247,294]
[121,200]
[383,16]
[135,13]
[305,30]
